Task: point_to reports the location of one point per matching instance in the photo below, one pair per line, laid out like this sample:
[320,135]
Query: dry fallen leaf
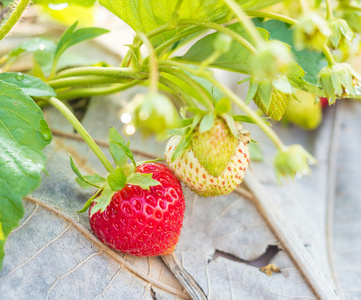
[269,269]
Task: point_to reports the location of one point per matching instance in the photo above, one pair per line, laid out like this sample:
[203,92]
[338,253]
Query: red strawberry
[138,208]
[143,222]
[324,102]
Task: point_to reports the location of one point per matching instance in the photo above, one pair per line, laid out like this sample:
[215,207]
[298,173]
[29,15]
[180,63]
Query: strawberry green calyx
[312,31]
[340,81]
[116,180]
[340,33]
[273,58]
[293,161]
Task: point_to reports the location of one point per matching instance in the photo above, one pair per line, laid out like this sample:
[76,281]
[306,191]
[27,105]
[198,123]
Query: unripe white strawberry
[191,172]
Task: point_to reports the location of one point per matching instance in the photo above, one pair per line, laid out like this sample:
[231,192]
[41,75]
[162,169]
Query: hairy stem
[13,18]
[222,29]
[172,40]
[257,119]
[95,91]
[102,71]
[175,88]
[269,15]
[154,73]
[327,52]
[149,35]
[84,81]
[192,83]
[81,130]
[304,5]
[246,22]
[329,10]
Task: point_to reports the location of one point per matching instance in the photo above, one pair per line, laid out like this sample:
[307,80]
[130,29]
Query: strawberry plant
[292,60]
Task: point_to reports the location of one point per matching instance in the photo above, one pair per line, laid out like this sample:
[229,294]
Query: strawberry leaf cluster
[116,180]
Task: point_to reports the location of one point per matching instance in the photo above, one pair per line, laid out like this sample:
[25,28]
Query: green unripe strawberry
[189,169]
[278,105]
[155,114]
[215,147]
[304,112]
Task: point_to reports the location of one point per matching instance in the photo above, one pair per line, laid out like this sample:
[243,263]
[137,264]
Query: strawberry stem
[95,91]
[154,73]
[192,83]
[330,59]
[246,22]
[81,130]
[149,35]
[270,15]
[102,71]
[257,119]
[13,18]
[222,29]
[329,10]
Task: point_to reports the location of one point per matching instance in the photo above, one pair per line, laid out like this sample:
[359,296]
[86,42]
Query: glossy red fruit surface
[324,102]
[142,222]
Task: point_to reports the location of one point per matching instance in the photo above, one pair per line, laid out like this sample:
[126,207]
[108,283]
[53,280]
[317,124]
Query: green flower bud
[272,59]
[152,113]
[339,81]
[340,32]
[222,43]
[312,31]
[293,161]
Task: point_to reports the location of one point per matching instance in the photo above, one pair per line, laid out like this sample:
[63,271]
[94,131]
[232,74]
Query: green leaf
[6,3]
[207,122]
[117,179]
[310,61]
[223,106]
[30,85]
[117,152]
[89,202]
[147,15]
[145,181]
[33,45]
[23,135]
[71,37]
[103,200]
[85,3]
[237,59]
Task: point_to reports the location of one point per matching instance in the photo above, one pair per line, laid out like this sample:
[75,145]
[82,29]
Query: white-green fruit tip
[188,169]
